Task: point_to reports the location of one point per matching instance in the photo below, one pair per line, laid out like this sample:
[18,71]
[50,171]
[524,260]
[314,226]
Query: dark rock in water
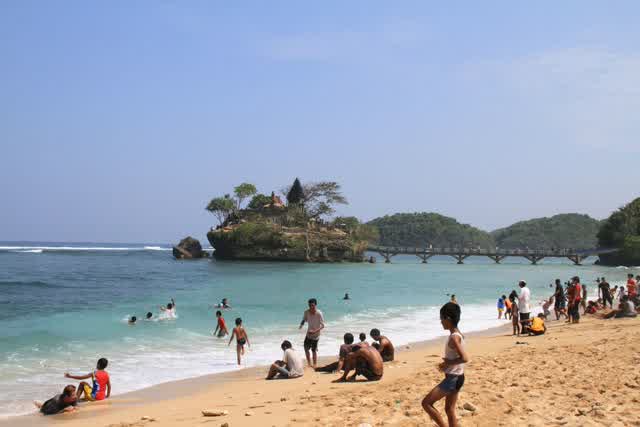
[189,248]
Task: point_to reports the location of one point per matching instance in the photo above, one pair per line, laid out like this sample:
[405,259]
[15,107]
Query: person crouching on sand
[241,339]
[291,365]
[365,361]
[452,365]
[537,325]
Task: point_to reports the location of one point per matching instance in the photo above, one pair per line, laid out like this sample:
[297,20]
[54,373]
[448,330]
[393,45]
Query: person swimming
[346,297]
[132,320]
[223,304]
[169,312]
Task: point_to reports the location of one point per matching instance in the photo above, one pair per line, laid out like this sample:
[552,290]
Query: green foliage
[221,207]
[259,201]
[622,230]
[296,195]
[359,232]
[424,229]
[243,191]
[253,234]
[321,197]
[560,231]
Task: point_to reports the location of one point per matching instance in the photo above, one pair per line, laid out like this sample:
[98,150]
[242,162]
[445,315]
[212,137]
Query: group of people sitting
[360,358]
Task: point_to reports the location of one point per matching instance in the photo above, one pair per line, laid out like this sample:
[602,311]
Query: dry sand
[576,375]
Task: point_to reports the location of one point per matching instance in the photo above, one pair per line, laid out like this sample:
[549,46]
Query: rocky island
[296,229]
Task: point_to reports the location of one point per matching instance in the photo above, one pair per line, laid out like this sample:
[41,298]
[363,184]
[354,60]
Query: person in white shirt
[523,305]
[291,365]
[315,321]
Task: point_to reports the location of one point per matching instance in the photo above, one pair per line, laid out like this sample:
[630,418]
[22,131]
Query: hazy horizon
[122,120]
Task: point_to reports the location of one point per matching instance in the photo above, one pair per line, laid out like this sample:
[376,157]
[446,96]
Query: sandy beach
[576,375]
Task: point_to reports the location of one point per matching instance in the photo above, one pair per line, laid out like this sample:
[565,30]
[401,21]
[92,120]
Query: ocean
[66,305]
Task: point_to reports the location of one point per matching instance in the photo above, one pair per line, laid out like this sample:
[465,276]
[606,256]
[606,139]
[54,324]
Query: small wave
[29,284]
[27,251]
[40,249]
[622,267]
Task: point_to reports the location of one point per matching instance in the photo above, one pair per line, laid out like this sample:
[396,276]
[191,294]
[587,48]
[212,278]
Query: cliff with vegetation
[296,230]
[424,229]
[560,231]
[622,230]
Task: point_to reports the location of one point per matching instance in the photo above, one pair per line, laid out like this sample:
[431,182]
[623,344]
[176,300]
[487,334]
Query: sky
[120,120]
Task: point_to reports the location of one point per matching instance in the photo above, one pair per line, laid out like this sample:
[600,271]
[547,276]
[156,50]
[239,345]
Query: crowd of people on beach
[367,359]
[569,302]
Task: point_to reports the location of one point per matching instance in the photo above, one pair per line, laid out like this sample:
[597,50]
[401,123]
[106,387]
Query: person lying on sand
[452,365]
[383,345]
[365,361]
[291,365]
[64,402]
[345,349]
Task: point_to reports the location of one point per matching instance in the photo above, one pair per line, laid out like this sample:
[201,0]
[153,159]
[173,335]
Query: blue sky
[120,120]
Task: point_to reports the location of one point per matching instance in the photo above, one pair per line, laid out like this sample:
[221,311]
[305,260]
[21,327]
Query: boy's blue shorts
[451,383]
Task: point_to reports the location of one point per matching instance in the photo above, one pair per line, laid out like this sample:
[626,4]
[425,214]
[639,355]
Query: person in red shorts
[101,383]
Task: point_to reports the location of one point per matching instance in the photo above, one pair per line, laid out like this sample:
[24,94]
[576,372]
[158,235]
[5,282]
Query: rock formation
[189,248]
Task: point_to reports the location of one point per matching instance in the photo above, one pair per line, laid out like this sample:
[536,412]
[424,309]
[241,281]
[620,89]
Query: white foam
[39,249]
[28,251]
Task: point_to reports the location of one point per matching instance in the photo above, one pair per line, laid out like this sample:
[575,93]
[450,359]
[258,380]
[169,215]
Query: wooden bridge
[460,254]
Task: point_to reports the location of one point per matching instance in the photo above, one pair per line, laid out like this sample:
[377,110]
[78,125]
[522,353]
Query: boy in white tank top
[452,366]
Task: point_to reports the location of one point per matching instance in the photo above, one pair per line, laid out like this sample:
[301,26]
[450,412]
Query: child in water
[241,338]
[221,327]
[452,366]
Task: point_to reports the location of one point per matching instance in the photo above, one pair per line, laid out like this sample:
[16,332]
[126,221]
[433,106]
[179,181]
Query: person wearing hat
[523,305]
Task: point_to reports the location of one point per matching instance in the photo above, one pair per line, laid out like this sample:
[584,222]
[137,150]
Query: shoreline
[539,381]
[170,390]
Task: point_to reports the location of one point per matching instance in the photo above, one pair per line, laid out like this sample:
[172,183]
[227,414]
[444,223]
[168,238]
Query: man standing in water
[523,305]
[315,322]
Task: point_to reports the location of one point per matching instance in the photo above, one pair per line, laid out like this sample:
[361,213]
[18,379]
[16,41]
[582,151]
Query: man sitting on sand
[291,365]
[345,349]
[383,345]
[366,361]
[626,309]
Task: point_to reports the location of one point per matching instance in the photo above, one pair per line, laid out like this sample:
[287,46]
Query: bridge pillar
[577,259]
[424,256]
[534,258]
[497,258]
[460,258]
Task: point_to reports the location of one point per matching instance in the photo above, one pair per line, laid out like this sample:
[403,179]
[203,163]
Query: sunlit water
[64,306]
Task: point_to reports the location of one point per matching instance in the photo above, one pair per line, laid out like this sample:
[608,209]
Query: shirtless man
[383,345]
[366,361]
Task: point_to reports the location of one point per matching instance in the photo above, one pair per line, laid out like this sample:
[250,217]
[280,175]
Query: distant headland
[297,224]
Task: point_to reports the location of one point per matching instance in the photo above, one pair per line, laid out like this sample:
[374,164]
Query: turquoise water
[64,306]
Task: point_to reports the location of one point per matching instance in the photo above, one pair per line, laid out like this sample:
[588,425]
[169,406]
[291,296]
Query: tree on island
[295,195]
[259,201]
[622,230]
[221,207]
[242,192]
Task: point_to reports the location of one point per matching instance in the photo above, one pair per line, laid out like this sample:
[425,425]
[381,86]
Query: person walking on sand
[241,339]
[632,286]
[604,293]
[524,306]
[452,366]
[315,321]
